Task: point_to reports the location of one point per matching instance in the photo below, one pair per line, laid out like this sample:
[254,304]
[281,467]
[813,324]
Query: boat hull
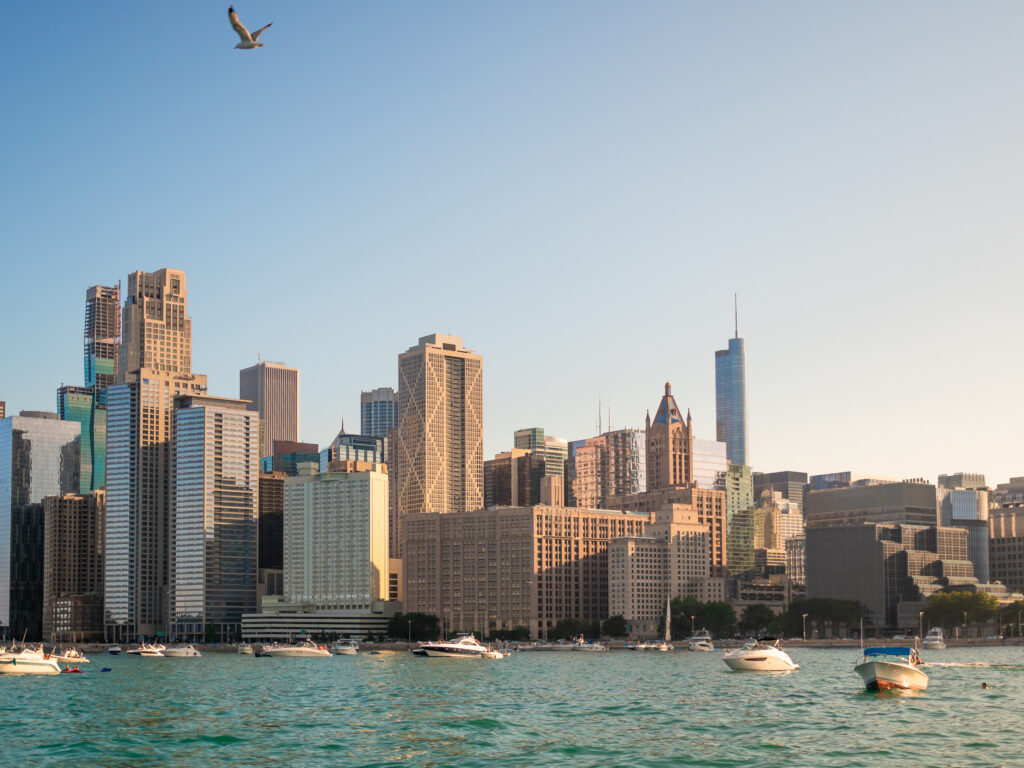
[13,666]
[345,652]
[440,653]
[297,653]
[887,675]
[182,653]
[934,645]
[759,661]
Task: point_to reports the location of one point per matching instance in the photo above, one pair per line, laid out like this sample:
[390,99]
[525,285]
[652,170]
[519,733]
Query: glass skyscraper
[378,411]
[38,458]
[731,400]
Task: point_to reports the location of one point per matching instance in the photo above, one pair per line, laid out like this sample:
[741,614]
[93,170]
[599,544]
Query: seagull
[248,41]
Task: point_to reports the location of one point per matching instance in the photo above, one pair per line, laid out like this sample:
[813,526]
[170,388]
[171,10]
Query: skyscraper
[731,399]
[739,514]
[38,458]
[73,567]
[600,468]
[82,404]
[554,449]
[102,335]
[378,411]
[273,390]
[439,455]
[669,445]
[154,367]
[214,519]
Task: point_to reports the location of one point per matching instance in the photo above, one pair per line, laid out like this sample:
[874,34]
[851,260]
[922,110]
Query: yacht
[884,669]
[28,661]
[494,653]
[463,647]
[156,649]
[70,656]
[306,649]
[701,641]
[345,648]
[587,645]
[763,655]
[186,650]
[934,640]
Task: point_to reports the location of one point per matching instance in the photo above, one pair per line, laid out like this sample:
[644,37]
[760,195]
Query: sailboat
[666,643]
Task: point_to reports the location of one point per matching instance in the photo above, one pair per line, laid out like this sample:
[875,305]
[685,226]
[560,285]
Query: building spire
[736,313]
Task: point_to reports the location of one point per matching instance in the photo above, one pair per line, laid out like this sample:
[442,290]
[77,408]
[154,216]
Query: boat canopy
[893,651]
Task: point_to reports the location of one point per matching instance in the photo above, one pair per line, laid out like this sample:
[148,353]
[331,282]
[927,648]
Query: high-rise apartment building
[154,367]
[600,468]
[214,519]
[378,411]
[271,521]
[273,390]
[102,335]
[439,450]
[336,536]
[39,457]
[731,399]
[554,449]
[511,567]
[73,567]
[739,506]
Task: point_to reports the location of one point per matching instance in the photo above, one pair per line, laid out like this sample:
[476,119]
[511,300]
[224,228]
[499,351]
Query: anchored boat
[762,655]
[884,669]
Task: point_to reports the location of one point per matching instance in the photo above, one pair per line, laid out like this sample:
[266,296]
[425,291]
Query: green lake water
[533,709]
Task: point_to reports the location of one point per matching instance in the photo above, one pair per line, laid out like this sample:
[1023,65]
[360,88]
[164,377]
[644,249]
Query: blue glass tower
[731,400]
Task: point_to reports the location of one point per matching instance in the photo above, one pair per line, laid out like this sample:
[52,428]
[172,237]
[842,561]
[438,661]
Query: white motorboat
[28,661]
[345,648]
[884,669]
[114,650]
[186,650]
[762,655]
[462,647]
[70,656]
[494,653]
[935,640]
[586,645]
[304,650]
[245,648]
[701,641]
[146,649]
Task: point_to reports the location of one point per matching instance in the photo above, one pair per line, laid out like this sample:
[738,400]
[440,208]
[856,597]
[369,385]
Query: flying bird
[248,40]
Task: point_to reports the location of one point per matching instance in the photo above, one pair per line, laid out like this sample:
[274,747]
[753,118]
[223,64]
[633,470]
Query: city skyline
[597,148]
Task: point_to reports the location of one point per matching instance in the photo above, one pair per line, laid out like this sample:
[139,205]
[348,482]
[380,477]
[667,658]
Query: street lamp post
[410,631]
[965,625]
[693,626]
[920,623]
[805,627]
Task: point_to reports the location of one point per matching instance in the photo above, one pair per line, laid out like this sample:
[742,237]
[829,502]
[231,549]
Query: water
[534,709]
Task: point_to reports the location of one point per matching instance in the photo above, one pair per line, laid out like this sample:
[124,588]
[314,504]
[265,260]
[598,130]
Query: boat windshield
[888,651]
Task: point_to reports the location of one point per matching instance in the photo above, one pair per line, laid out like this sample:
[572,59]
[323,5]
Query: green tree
[720,618]
[615,626]
[210,633]
[568,629]
[418,626]
[757,619]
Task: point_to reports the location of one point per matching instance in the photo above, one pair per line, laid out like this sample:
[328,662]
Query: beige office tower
[273,389]
[439,451]
[155,361]
[156,331]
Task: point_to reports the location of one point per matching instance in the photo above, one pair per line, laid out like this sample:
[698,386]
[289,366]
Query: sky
[577,189]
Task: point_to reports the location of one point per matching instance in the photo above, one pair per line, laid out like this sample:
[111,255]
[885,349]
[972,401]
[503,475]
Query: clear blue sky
[576,188]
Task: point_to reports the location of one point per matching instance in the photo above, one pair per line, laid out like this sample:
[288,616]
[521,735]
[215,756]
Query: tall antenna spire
[736,313]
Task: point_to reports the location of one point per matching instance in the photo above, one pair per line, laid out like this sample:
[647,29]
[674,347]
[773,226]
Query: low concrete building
[909,503]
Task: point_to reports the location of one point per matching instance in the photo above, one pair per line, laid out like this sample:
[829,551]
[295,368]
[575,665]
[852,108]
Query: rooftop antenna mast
[598,414]
[736,313]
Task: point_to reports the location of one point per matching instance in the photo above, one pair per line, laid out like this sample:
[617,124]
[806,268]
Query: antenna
[609,418]
[598,414]
[736,313]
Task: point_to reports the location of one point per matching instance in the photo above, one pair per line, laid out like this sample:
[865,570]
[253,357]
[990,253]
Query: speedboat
[306,649]
[245,648]
[701,641]
[463,647]
[494,653]
[28,661]
[182,651]
[345,648]
[884,669]
[934,640]
[114,650]
[70,656]
[763,655]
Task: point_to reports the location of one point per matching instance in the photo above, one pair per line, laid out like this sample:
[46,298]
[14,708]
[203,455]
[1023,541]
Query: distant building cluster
[147,507]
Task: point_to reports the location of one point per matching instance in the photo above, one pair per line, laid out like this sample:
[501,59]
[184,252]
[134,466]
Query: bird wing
[239,27]
[258,32]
